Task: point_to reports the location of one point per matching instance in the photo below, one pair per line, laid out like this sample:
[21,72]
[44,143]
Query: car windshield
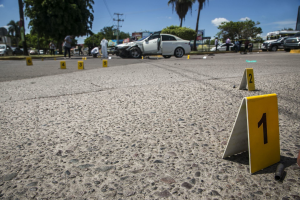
[143,38]
[2,47]
[279,40]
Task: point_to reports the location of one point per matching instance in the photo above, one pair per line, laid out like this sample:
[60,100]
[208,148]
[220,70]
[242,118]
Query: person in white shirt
[216,43]
[95,52]
[103,44]
[52,47]
[227,44]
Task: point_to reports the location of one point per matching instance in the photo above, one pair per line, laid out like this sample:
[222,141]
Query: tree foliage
[182,32]
[239,30]
[181,7]
[59,18]
[107,32]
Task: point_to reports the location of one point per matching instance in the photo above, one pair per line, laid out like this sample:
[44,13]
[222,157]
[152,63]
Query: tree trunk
[180,22]
[198,17]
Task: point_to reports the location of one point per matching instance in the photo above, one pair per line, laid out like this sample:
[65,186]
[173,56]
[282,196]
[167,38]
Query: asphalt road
[145,129]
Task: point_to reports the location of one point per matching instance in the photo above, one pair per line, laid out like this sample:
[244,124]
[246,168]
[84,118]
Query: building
[298,20]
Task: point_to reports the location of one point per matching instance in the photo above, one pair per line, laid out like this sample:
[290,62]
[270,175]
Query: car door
[168,44]
[223,47]
[150,45]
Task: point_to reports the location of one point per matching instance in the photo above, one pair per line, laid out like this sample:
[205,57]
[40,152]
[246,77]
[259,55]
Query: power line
[107,8]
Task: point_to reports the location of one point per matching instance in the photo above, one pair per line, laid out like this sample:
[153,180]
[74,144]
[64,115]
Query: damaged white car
[156,44]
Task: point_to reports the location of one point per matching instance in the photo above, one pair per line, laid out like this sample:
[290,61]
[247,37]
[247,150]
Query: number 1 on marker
[263,121]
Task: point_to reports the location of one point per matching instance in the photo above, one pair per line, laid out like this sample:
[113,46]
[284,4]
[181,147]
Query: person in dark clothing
[250,46]
[246,46]
[67,45]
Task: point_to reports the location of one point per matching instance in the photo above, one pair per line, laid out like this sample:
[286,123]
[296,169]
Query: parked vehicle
[41,52]
[17,51]
[264,45]
[278,44]
[5,50]
[111,50]
[33,52]
[222,47]
[155,44]
[292,42]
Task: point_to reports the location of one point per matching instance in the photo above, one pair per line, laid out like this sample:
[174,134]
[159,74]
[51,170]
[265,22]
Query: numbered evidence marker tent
[256,130]
[248,79]
[80,65]
[104,63]
[63,65]
[28,61]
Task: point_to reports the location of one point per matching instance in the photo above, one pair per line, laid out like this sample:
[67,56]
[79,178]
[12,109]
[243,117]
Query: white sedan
[155,44]
[222,47]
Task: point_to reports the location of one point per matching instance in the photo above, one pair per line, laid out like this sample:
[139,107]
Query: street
[141,129]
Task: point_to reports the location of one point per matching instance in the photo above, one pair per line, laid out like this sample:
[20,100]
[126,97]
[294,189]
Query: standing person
[250,46]
[246,45]
[237,46]
[216,43]
[227,44]
[67,45]
[52,47]
[103,44]
[79,49]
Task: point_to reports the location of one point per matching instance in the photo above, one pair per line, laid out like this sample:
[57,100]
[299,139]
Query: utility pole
[118,20]
[22,26]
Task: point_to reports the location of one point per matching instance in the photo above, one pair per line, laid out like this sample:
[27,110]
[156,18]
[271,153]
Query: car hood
[129,44]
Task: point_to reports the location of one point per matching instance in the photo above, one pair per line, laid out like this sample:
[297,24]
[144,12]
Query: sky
[154,15]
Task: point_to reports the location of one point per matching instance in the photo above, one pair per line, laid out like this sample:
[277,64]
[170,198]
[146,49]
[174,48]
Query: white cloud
[1,6]
[218,21]
[287,22]
[169,17]
[244,19]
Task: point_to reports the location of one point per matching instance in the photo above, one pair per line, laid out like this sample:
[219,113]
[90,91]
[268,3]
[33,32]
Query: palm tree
[14,27]
[182,7]
[201,5]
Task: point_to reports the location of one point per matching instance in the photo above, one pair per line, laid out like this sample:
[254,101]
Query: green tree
[181,7]
[182,32]
[201,5]
[14,29]
[239,30]
[59,18]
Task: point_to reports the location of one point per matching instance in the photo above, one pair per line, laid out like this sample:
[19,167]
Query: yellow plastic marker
[85,58]
[256,130]
[104,63]
[42,59]
[63,65]
[80,65]
[188,57]
[82,58]
[29,61]
[248,79]
[142,57]
[294,51]
[54,58]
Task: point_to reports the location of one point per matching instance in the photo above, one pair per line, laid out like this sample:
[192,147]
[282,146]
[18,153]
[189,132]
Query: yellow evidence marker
[42,59]
[54,58]
[142,57]
[63,65]
[29,61]
[256,130]
[104,63]
[248,79]
[188,57]
[80,65]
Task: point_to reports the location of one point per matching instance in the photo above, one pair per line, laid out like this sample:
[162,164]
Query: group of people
[67,47]
[237,45]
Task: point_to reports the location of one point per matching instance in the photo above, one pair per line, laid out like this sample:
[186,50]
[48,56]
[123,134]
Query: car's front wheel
[274,48]
[135,52]
[167,56]
[179,52]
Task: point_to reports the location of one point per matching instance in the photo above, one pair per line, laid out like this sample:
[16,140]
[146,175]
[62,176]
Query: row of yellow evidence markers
[63,64]
[256,128]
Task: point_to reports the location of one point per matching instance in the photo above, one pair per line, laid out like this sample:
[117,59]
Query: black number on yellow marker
[63,64]
[263,121]
[250,75]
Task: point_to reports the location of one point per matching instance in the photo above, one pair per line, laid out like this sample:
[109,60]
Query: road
[142,129]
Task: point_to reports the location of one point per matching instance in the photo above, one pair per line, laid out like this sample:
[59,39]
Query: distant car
[17,51]
[111,50]
[5,50]
[222,47]
[33,52]
[278,44]
[156,44]
[292,42]
[264,45]
[41,52]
